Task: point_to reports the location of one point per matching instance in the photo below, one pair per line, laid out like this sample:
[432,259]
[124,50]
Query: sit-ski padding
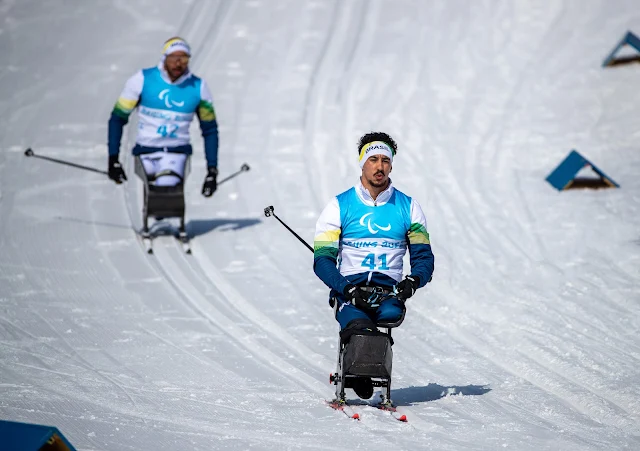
[368,355]
[166,201]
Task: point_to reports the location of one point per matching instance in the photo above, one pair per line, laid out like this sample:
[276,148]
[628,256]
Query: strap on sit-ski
[375,294]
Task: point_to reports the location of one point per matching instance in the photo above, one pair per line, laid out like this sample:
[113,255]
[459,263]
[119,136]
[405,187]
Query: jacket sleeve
[208,125]
[420,255]
[126,103]
[326,245]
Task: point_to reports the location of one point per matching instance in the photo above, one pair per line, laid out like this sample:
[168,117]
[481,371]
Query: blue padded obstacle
[629,39]
[564,176]
[16,436]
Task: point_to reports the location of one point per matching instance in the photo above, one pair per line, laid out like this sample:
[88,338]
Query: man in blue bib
[361,238]
[167,97]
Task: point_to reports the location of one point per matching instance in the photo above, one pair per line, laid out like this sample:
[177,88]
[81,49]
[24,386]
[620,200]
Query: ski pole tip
[356,416]
[245,167]
[28,152]
[268,211]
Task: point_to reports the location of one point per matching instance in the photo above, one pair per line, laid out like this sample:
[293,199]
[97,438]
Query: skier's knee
[359,326]
[390,311]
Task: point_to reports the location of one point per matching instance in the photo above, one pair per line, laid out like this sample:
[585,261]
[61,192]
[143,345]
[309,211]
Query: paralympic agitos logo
[164,95]
[373,227]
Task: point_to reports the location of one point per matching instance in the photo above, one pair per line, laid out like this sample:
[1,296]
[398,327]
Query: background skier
[167,97]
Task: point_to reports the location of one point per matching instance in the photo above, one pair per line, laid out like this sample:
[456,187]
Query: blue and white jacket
[362,241]
[165,111]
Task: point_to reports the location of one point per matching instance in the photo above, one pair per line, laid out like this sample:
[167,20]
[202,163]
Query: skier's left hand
[210,184]
[407,287]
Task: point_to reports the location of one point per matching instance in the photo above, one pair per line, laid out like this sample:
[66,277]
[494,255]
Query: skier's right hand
[116,173]
[356,296]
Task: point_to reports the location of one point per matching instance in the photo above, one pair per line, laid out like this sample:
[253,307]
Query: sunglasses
[178,58]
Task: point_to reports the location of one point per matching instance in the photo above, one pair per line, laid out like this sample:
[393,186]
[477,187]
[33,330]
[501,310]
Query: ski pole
[269,212]
[30,153]
[243,168]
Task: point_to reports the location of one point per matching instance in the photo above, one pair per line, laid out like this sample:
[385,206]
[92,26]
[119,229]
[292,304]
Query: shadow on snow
[432,392]
[196,227]
[168,226]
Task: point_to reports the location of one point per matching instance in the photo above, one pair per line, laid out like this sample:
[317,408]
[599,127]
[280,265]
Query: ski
[350,412]
[148,238]
[147,242]
[185,242]
[392,411]
[344,408]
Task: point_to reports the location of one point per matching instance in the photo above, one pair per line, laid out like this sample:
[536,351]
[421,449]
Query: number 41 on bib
[370,262]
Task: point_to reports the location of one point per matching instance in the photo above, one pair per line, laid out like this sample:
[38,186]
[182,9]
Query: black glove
[407,287]
[116,173]
[210,184]
[356,296]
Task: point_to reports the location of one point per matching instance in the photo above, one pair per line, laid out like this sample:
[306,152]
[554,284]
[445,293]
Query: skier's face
[375,171]
[176,64]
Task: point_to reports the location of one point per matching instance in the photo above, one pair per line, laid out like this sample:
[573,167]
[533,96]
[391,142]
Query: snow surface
[528,336]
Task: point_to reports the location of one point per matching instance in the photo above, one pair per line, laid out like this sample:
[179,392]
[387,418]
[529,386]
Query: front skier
[361,238]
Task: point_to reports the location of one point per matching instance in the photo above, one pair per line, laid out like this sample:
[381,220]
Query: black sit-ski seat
[162,201]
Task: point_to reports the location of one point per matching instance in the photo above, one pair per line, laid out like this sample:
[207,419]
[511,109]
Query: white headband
[176,45]
[375,148]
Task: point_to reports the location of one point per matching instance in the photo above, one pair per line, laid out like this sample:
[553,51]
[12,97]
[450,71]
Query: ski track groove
[184,351]
[221,13]
[115,406]
[525,373]
[544,359]
[342,38]
[38,355]
[81,363]
[179,279]
[311,104]
[526,416]
[79,358]
[33,367]
[253,314]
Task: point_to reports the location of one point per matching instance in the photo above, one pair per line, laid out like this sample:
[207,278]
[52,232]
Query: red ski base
[392,409]
[344,408]
[349,411]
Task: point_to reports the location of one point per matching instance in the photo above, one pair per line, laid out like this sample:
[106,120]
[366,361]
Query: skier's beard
[176,71]
[379,184]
